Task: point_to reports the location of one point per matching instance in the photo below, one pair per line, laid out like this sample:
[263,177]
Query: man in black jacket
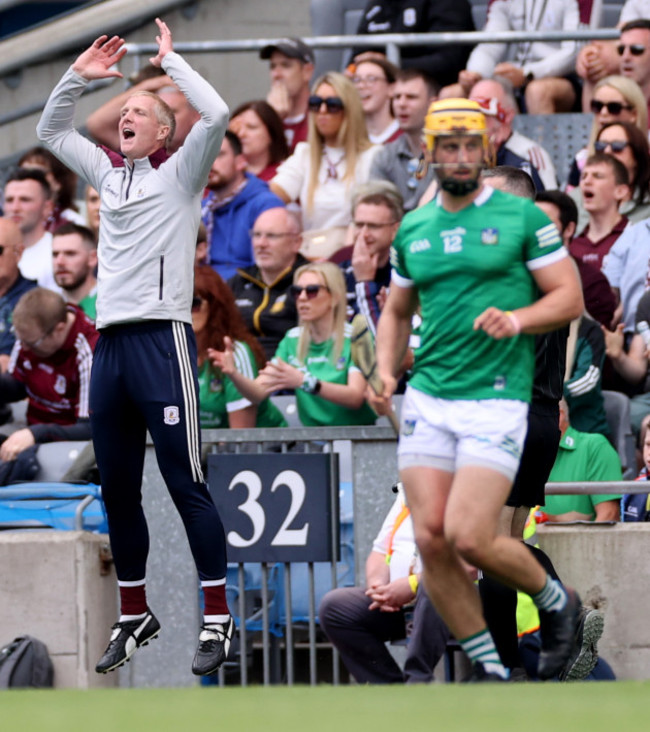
[262,290]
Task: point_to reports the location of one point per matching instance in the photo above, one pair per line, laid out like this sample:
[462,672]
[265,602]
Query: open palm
[96,61]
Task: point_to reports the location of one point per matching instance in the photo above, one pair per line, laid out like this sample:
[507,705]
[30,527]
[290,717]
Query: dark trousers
[144,378]
[360,635]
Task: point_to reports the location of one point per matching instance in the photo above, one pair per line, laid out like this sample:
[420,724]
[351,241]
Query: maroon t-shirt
[296,132]
[58,386]
[593,252]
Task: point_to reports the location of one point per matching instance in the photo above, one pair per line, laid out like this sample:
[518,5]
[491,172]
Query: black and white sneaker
[125,640]
[214,643]
[585,656]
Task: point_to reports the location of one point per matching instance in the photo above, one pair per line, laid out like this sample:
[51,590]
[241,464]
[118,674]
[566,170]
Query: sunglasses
[197,302]
[311,291]
[616,145]
[611,107]
[636,49]
[333,104]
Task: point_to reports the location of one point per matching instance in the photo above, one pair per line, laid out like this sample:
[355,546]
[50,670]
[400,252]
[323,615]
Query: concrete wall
[51,587]
[237,76]
[608,565]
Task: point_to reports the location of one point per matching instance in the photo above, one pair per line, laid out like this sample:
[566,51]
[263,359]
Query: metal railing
[12,59]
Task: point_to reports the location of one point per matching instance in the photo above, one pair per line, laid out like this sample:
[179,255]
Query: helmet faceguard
[451,118]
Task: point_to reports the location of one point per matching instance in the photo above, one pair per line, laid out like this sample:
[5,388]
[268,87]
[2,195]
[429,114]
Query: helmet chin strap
[459,187]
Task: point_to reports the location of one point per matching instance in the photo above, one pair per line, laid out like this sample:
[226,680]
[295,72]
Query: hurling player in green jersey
[488,271]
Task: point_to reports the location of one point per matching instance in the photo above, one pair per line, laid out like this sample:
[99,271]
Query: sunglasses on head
[636,49]
[333,104]
[311,291]
[616,145]
[611,107]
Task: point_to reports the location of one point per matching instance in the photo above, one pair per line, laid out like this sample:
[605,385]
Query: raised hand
[224,360]
[164,41]
[96,61]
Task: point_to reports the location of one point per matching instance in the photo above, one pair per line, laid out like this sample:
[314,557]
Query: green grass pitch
[551,707]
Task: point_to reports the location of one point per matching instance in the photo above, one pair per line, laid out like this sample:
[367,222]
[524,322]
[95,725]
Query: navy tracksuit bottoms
[144,377]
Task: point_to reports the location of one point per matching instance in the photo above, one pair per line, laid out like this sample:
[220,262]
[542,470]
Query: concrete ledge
[52,588]
[608,565]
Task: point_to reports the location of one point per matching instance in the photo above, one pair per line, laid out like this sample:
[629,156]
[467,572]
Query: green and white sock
[480,648]
[552,597]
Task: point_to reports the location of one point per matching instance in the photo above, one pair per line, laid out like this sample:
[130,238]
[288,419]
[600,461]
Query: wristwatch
[310,384]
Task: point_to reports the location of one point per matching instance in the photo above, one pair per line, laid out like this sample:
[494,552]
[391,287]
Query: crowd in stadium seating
[324,169]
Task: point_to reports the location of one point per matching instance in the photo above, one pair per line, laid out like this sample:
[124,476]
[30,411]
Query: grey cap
[291,47]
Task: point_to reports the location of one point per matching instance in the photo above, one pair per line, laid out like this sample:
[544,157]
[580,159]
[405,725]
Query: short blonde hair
[333,279]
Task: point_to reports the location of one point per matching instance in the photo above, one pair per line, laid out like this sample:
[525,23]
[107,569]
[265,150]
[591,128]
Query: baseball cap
[291,47]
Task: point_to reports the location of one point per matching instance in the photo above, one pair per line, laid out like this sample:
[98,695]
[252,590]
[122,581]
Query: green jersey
[582,457]
[89,305]
[462,263]
[313,410]
[218,395]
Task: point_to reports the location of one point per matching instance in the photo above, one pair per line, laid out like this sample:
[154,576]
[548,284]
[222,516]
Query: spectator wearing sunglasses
[322,171]
[314,358]
[627,56]
[262,290]
[400,162]
[215,316]
[615,99]
[625,142]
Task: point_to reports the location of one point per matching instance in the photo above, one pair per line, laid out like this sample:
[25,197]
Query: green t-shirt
[218,395]
[582,456]
[462,263]
[89,305]
[313,410]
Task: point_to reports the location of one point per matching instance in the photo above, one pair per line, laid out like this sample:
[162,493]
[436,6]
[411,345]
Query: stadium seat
[561,135]
[56,457]
[617,409]
[47,505]
[286,403]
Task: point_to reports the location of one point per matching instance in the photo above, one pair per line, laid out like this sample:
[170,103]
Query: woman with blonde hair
[616,99]
[314,358]
[337,155]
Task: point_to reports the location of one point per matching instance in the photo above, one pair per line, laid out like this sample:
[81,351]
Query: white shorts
[450,433]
